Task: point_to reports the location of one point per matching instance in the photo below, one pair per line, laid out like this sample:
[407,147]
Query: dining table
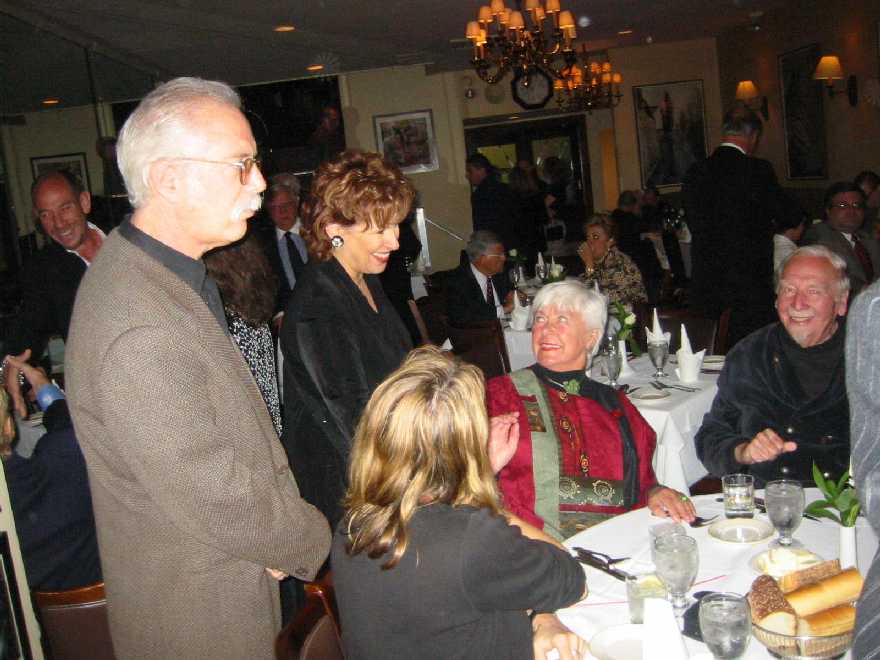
[723,566]
[675,416]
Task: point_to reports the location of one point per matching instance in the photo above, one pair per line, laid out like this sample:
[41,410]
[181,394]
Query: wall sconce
[829,70]
[747,92]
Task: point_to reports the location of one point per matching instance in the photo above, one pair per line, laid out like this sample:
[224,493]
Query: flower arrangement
[840,504]
[627,323]
[516,258]
[555,273]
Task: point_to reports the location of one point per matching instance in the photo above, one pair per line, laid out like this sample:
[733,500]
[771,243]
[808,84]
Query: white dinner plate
[648,395]
[744,531]
[797,559]
[622,642]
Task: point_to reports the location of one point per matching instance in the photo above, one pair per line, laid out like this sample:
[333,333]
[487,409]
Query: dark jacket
[758,389]
[731,201]
[336,351]
[52,506]
[465,302]
[825,234]
[495,208]
[264,230]
[50,280]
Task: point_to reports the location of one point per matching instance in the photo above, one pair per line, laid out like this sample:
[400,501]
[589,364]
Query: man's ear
[85,202]
[163,178]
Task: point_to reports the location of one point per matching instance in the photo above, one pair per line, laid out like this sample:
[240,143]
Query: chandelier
[591,86]
[503,39]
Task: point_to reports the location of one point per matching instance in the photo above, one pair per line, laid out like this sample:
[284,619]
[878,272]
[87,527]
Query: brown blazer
[192,491]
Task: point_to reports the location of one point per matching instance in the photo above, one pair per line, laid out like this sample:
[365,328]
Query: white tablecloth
[723,566]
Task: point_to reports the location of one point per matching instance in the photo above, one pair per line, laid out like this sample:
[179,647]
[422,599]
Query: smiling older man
[781,402]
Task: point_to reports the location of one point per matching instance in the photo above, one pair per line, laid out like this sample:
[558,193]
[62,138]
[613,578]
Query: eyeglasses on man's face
[858,206]
[245,165]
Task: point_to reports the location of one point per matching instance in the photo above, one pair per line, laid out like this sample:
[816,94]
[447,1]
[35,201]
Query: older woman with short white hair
[584,451]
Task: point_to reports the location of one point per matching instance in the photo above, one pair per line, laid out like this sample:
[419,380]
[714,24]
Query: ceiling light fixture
[51,101]
[593,85]
[623,33]
[284,27]
[315,67]
[503,39]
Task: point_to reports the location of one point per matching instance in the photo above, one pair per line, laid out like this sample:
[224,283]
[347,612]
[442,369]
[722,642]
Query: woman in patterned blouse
[617,275]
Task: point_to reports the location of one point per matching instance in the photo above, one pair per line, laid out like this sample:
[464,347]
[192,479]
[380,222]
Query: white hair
[836,261]
[577,297]
[285,181]
[155,128]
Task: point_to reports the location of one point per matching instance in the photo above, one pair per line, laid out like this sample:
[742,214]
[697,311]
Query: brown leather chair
[74,623]
[481,344]
[314,632]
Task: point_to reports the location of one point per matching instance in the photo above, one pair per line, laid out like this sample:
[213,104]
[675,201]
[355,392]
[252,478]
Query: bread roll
[832,621]
[770,610]
[844,587]
[810,575]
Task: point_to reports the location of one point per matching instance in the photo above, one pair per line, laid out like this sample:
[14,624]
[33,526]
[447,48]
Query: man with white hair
[781,402]
[197,512]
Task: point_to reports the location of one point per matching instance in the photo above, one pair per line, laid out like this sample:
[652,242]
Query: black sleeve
[502,569]
[34,325]
[56,417]
[719,434]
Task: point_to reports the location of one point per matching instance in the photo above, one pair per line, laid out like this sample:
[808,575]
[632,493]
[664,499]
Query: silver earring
[337,242]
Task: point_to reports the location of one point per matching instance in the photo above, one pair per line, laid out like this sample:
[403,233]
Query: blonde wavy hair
[422,439]
[355,187]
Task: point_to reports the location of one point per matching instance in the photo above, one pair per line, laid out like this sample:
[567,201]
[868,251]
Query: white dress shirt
[281,240]
[481,280]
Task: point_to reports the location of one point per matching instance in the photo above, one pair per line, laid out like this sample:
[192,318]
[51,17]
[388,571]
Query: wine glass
[612,363]
[515,276]
[784,500]
[676,561]
[541,271]
[725,624]
[658,351]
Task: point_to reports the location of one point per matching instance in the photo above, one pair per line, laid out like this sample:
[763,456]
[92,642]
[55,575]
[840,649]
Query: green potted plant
[840,503]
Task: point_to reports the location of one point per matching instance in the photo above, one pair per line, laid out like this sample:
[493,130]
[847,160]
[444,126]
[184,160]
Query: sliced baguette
[833,621]
[810,575]
[770,609]
[844,587]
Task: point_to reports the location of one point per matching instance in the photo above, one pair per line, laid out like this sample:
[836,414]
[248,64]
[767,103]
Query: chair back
[481,344]
[701,331]
[313,634]
[74,623]
[420,322]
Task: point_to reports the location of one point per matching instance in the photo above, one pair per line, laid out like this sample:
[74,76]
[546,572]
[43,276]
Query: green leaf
[850,518]
[844,479]
[820,481]
[826,514]
[845,500]
[818,505]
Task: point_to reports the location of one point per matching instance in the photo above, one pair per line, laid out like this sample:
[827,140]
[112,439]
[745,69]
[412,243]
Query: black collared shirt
[191,271]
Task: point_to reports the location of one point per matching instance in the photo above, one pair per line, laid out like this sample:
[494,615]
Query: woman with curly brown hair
[247,285]
[340,336]
[618,276]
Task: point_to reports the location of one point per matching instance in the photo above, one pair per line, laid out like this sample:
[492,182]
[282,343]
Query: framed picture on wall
[407,140]
[73,163]
[803,114]
[671,130]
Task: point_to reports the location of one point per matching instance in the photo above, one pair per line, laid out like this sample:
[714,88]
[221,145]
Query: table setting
[681,587]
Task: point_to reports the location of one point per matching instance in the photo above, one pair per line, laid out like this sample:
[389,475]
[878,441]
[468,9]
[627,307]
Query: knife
[585,557]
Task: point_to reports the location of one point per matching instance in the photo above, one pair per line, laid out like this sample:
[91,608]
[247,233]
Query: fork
[699,521]
[608,559]
[669,386]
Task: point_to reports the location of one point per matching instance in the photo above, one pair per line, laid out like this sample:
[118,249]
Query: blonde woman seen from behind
[424,528]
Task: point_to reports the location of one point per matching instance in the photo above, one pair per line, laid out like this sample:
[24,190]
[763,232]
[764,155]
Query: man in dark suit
[731,200]
[476,290]
[52,276]
[493,204]
[282,243]
[844,232]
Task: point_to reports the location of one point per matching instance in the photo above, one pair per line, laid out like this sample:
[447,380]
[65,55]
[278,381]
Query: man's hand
[765,446]
[668,503]
[549,633]
[16,364]
[503,439]
[275,573]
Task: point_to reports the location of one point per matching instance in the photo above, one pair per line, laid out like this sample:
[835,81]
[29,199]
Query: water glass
[658,351]
[785,508]
[612,363]
[541,271]
[515,276]
[639,587]
[739,495]
[663,529]
[676,561]
[725,624]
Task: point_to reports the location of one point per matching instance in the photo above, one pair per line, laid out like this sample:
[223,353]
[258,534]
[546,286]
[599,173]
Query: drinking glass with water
[725,624]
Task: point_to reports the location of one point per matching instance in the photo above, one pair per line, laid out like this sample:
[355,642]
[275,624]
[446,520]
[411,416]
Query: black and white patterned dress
[256,345]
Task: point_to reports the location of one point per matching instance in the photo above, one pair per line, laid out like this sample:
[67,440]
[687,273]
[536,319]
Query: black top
[52,506]
[336,351]
[814,366]
[495,208]
[465,299]
[460,590]
[191,271]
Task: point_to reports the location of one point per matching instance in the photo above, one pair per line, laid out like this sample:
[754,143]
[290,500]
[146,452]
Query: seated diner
[426,562]
[616,273]
[584,451]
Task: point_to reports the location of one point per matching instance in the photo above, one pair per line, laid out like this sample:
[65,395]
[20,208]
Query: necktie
[863,257]
[296,260]
[490,295]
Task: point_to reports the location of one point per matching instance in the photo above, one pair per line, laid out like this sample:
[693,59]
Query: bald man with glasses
[477,290]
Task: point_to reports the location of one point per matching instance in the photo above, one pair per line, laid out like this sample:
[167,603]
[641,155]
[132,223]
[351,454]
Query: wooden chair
[74,623]
[430,320]
[481,344]
[314,632]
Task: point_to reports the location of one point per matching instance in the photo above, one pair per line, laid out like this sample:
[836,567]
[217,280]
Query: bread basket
[803,647]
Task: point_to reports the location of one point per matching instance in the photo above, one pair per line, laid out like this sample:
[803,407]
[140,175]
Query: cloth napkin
[540,261]
[663,640]
[520,315]
[657,335]
[689,363]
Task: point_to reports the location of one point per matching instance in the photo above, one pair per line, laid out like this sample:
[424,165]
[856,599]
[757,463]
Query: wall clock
[531,90]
